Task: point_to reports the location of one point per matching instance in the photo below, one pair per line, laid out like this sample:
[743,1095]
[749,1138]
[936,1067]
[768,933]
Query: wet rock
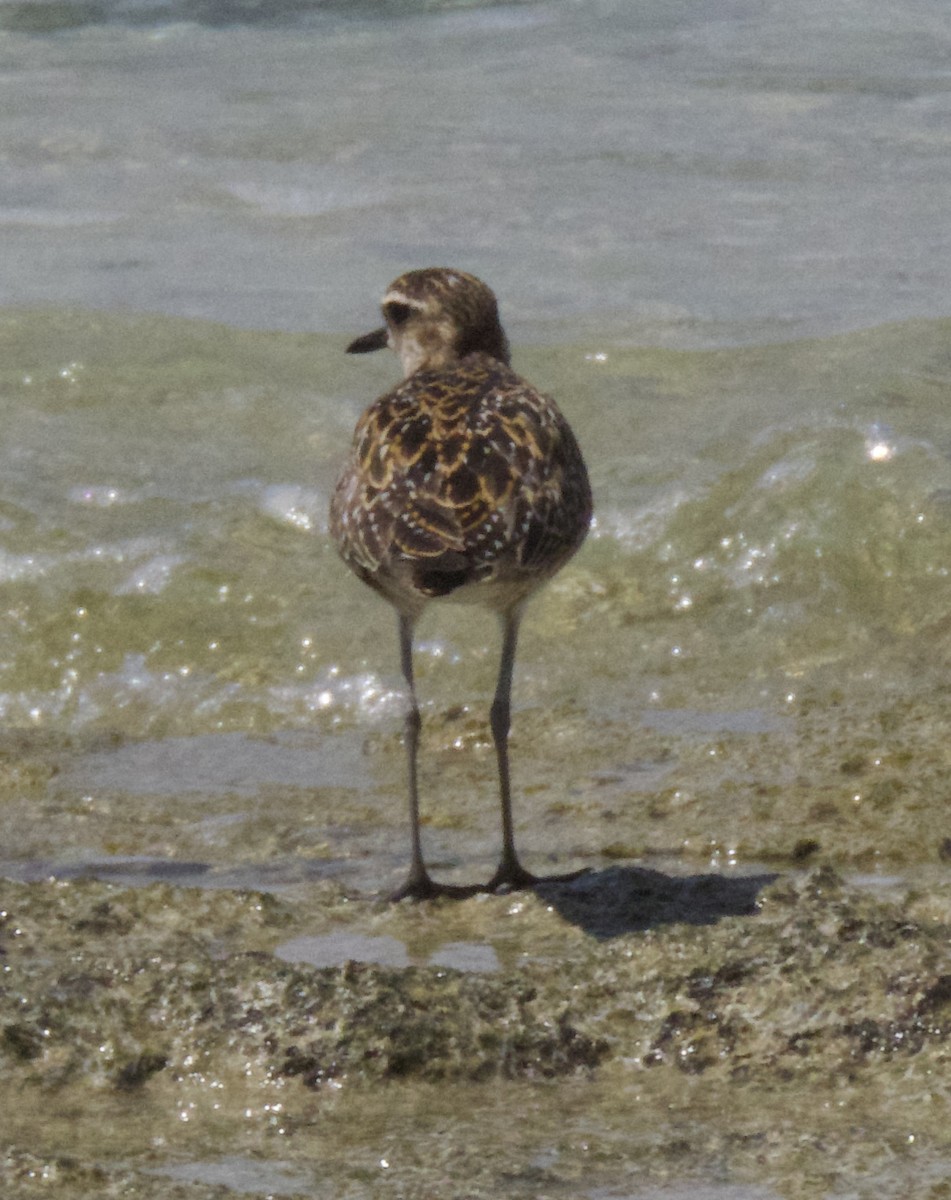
[630,983]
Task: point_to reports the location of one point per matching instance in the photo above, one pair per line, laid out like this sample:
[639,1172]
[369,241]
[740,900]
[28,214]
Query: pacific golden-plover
[463,482]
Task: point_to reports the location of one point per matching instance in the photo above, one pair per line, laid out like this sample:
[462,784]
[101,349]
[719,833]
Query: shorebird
[463,482]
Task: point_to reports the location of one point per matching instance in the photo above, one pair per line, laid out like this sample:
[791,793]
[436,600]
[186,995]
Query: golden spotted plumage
[460,476]
[462,482]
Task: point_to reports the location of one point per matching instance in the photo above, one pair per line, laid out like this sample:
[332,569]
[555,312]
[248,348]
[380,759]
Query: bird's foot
[421,887]
[513,877]
[567,877]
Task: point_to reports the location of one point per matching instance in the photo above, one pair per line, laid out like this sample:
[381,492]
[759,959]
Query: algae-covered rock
[786,1010]
[428,1022]
[141,984]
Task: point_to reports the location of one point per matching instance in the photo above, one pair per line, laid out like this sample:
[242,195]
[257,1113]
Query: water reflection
[342,946]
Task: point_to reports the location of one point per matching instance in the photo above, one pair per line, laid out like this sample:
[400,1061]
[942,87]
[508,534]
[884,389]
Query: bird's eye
[396,313]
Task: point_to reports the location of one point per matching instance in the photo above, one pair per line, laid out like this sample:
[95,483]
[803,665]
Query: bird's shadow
[622,899]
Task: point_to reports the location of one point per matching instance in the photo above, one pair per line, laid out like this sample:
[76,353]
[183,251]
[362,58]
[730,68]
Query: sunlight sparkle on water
[878,448]
[102,496]
[291,504]
[70,373]
[880,451]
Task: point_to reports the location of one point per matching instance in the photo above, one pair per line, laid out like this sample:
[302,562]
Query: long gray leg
[417,882]
[419,885]
[510,873]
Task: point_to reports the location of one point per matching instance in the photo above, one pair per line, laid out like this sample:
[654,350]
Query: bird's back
[458,477]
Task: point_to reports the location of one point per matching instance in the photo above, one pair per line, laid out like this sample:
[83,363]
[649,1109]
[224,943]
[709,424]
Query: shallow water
[720,240]
[192,674]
